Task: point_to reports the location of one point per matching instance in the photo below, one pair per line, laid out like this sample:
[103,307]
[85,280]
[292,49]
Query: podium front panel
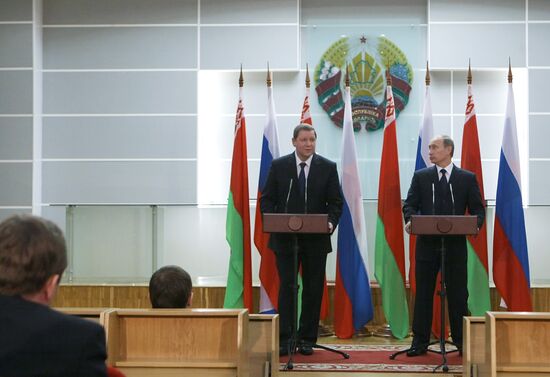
[295,223]
[443,225]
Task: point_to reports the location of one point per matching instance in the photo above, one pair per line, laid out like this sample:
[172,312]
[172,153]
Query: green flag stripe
[394,297]
[234,236]
[479,298]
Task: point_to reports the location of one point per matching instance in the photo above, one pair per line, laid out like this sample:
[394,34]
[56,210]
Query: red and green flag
[389,262]
[238,293]
[479,300]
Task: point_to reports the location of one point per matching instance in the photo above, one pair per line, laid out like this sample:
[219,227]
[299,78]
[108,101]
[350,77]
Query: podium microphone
[452,197]
[288,195]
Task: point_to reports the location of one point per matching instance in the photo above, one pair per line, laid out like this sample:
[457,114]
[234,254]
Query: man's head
[303,139]
[170,287]
[442,148]
[33,257]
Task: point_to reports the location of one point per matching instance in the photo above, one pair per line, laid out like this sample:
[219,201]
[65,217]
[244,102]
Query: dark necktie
[302,178]
[444,181]
[446,206]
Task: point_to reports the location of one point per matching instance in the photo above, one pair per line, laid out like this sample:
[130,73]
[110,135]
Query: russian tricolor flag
[269,277]
[425,134]
[510,258]
[352,298]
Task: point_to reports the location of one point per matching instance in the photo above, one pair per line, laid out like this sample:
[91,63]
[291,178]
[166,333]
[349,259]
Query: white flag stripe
[270,130]
[427,129]
[351,184]
[509,139]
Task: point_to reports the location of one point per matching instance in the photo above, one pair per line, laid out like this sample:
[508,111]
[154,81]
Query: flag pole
[268,80]
[428,79]
[509,70]
[241,79]
[469,79]
[308,82]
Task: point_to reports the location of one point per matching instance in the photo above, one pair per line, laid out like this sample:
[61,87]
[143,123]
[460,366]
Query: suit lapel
[291,161]
[313,169]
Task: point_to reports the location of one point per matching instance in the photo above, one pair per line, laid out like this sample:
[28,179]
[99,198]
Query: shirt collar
[448,169]
[298,161]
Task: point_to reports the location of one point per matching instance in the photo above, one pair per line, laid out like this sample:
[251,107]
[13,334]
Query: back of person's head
[170,287]
[32,255]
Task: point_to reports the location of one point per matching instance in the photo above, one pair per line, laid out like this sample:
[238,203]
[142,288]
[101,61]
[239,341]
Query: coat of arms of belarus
[367,59]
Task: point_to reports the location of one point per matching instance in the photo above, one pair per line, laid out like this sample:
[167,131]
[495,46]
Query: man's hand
[408,227]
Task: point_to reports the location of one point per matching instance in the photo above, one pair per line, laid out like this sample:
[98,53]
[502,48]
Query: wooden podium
[443,226]
[295,223]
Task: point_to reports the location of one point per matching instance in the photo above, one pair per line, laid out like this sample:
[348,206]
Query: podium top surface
[295,223]
[444,225]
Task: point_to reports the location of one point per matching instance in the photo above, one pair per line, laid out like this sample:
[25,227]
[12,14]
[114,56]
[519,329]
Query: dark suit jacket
[37,341]
[420,201]
[323,196]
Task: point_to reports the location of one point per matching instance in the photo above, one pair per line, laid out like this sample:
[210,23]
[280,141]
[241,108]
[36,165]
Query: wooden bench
[182,342]
[93,314]
[263,344]
[474,345]
[516,344]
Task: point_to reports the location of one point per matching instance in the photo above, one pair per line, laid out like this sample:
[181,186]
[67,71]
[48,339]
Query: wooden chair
[182,342]
[93,314]
[474,345]
[263,344]
[516,344]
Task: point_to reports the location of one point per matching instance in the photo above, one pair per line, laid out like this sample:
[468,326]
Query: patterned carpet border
[395,366]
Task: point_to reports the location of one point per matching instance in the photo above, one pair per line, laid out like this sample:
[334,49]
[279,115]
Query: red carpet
[371,358]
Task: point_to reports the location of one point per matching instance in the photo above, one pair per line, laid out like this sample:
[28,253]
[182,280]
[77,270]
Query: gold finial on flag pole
[388,77]
[308,82]
[509,70]
[428,80]
[347,76]
[469,79]
[241,79]
[268,76]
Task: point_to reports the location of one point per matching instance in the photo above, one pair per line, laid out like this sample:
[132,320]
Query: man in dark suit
[442,189]
[34,339]
[302,182]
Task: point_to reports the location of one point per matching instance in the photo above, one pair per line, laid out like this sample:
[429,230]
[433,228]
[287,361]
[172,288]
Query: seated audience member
[171,287]
[36,340]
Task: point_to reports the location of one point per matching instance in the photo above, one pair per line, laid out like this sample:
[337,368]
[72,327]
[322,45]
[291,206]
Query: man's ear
[190,301]
[50,288]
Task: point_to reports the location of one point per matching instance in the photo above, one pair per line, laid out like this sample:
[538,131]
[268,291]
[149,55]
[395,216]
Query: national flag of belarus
[389,251]
[269,277]
[479,300]
[305,118]
[510,258]
[238,293]
[352,296]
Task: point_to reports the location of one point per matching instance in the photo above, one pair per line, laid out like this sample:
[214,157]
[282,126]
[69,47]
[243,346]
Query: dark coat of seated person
[171,287]
[36,340]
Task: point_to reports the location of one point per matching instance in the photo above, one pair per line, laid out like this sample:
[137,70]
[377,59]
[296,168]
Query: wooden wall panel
[137,296]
